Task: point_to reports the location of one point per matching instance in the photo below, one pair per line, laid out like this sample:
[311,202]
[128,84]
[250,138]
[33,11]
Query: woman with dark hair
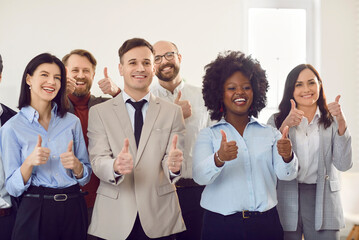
[238,158]
[45,157]
[310,204]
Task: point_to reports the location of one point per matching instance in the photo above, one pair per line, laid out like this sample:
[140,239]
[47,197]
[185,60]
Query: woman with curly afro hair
[238,158]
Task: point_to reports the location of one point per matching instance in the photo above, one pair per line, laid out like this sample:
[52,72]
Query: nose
[80,74]
[239,90]
[140,68]
[51,80]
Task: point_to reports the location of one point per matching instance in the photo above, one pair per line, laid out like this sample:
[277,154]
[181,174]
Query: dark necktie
[138,118]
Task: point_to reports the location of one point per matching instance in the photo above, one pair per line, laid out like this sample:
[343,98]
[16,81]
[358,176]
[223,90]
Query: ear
[179,57]
[120,68]
[0,76]
[28,79]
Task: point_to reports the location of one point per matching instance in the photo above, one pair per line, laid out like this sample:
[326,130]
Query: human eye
[169,54]
[248,87]
[44,74]
[298,84]
[75,70]
[58,78]
[132,63]
[147,63]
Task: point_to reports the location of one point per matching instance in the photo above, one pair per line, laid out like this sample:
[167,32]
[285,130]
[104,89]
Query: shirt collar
[31,114]
[165,92]
[126,97]
[1,110]
[252,120]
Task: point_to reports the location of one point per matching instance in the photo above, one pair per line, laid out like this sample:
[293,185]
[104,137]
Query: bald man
[172,87]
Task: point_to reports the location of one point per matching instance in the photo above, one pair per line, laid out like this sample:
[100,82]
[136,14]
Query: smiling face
[167,70]
[137,69]
[306,89]
[81,69]
[238,95]
[45,83]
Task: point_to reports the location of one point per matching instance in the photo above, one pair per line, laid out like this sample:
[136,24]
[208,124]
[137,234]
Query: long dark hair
[284,107]
[25,95]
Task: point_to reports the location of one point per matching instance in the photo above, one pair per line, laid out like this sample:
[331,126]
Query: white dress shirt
[307,138]
[199,119]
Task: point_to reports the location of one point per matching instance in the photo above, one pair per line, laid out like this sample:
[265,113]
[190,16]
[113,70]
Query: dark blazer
[7,114]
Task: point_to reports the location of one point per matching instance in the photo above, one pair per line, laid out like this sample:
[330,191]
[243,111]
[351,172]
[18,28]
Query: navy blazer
[7,114]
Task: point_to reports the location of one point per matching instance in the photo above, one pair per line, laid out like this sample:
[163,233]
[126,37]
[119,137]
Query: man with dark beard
[173,88]
[81,66]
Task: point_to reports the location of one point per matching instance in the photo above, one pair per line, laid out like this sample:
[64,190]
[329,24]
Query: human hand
[294,117]
[175,157]
[40,155]
[70,83]
[284,146]
[70,161]
[123,163]
[335,109]
[228,150]
[184,104]
[106,84]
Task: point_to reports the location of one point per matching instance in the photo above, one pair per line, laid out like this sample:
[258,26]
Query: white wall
[200,28]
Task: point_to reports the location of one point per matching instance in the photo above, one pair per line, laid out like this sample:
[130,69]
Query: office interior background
[279,33]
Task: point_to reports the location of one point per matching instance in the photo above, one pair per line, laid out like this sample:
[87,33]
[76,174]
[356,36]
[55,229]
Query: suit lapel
[151,116]
[121,112]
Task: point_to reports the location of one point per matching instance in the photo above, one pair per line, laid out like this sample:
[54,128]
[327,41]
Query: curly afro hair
[219,70]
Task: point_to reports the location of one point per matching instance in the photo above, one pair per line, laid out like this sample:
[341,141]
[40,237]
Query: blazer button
[111,181]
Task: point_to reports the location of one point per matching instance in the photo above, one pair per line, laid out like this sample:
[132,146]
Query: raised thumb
[285,132]
[39,141]
[125,145]
[69,147]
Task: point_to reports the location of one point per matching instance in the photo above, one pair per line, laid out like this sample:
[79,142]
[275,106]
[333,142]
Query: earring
[30,87]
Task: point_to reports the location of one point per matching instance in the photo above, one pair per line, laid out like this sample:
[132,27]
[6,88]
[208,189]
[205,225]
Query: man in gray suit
[137,166]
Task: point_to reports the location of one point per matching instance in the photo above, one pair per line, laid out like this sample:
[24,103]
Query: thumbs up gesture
[70,83]
[70,161]
[175,157]
[294,117]
[39,155]
[107,86]
[184,104]
[336,111]
[284,146]
[123,163]
[227,151]
[334,108]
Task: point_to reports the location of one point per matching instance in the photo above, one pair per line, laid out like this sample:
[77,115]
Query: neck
[44,110]
[309,111]
[136,94]
[239,122]
[171,85]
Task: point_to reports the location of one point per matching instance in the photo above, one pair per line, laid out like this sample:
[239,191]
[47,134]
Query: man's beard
[84,92]
[168,78]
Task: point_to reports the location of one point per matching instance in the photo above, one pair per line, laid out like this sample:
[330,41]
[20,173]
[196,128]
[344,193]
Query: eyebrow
[135,59]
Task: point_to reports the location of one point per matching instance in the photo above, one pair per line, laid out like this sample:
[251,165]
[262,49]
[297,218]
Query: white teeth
[240,100]
[49,89]
[80,83]
[139,76]
[166,68]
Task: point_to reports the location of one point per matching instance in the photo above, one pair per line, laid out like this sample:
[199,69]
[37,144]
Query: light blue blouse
[247,182]
[18,139]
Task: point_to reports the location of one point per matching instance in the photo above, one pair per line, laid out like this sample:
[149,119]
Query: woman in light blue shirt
[239,159]
[45,157]
[310,205]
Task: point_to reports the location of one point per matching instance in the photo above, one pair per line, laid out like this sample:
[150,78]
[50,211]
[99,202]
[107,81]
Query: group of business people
[250,180]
